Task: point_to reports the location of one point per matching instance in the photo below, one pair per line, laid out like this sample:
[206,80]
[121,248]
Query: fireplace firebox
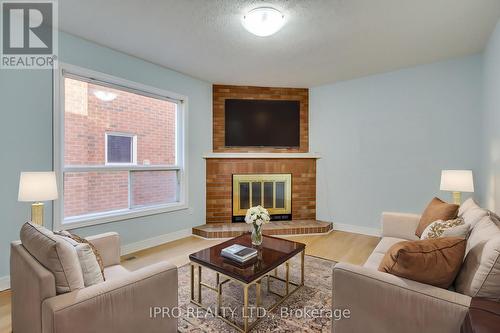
[271,191]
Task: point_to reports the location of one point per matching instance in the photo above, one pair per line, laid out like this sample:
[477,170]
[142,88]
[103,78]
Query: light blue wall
[26,138]
[491,83]
[384,139]
[25,143]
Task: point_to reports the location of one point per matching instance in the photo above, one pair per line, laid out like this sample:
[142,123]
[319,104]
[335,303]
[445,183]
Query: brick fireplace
[225,162]
[219,184]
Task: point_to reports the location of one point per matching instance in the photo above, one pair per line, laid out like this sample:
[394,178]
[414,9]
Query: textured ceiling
[323,41]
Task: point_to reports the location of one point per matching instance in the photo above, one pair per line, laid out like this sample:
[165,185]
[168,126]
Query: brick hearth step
[294,227]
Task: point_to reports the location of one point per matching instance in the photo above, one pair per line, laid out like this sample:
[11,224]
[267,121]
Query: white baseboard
[4,283]
[357,229]
[154,241]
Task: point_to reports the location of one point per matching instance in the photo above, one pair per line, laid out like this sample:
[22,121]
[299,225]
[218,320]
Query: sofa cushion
[484,230]
[374,260]
[386,243]
[437,209]
[480,273]
[54,253]
[115,271]
[494,217]
[431,261]
[378,253]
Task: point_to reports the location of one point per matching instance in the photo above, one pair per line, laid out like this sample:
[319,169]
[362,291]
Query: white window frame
[180,166]
[133,148]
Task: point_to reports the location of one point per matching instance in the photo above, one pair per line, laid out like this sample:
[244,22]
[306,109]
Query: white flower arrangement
[257,215]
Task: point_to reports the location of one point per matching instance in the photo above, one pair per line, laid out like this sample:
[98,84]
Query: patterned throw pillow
[450,228]
[81,240]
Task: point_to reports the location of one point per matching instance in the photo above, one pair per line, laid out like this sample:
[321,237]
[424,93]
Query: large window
[119,149]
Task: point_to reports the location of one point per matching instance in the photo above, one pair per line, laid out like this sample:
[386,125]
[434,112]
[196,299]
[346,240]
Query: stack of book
[239,253]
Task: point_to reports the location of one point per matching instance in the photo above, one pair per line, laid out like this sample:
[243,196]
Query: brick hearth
[225,230]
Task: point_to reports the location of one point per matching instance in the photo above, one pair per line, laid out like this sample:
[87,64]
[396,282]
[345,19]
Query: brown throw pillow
[437,209]
[79,239]
[430,261]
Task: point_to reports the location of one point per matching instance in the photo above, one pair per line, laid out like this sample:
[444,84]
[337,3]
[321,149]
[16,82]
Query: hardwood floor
[176,252]
[337,246]
[5,311]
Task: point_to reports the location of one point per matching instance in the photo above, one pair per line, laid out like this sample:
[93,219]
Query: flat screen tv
[262,123]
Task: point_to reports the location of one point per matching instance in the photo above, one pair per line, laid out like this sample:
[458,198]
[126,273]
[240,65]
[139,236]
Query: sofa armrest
[30,283]
[399,225]
[381,302]
[123,304]
[108,245]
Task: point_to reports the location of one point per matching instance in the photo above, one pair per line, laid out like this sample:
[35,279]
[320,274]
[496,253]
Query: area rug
[307,310]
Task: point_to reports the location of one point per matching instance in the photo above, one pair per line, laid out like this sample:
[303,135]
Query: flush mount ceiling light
[263,21]
[105,96]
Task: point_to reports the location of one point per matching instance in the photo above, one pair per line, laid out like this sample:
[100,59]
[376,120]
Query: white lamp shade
[457,181]
[37,186]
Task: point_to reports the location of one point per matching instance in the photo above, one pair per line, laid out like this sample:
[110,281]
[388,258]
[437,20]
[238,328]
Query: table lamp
[457,181]
[37,187]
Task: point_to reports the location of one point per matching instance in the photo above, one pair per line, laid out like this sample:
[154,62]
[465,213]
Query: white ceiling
[323,41]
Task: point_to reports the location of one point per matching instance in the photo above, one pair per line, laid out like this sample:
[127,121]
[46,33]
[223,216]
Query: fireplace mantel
[261,155]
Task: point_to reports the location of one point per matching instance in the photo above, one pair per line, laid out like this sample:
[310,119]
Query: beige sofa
[381,302]
[120,304]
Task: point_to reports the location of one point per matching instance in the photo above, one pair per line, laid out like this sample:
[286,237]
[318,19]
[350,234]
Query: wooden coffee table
[272,253]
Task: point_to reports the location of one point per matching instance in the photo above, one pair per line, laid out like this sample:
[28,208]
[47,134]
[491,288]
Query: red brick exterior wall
[152,187]
[222,92]
[94,192]
[219,184]
[87,119]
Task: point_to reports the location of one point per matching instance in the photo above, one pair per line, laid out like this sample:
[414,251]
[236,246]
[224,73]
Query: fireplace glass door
[272,191]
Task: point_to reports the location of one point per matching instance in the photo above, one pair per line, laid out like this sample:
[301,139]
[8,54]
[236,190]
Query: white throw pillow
[450,228]
[91,270]
[473,215]
[468,204]
[90,267]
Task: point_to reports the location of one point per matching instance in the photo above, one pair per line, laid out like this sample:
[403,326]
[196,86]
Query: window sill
[114,216]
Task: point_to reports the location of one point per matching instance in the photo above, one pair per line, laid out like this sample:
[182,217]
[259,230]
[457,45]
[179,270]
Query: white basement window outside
[119,149]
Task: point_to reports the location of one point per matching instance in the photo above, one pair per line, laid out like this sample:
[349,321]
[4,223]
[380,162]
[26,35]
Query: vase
[256,235]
